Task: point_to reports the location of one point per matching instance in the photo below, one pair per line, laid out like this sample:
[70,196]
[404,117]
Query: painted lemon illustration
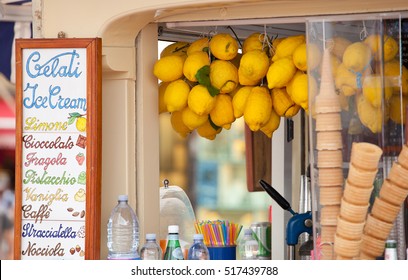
[81,124]
[79,120]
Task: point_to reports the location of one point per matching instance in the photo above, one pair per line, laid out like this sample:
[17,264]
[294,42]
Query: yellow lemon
[162,89]
[300,89]
[335,63]
[208,130]
[200,100]
[282,104]
[373,90]
[299,57]
[223,46]
[289,85]
[178,124]
[347,81]
[191,119]
[292,111]
[304,57]
[177,48]
[275,43]
[223,75]
[176,95]
[80,124]
[280,72]
[370,116]
[392,70]
[255,41]
[253,66]
[287,46]
[239,100]
[258,108]
[272,124]
[357,57]
[397,110]
[200,45]
[390,47]
[222,114]
[169,68]
[337,45]
[193,63]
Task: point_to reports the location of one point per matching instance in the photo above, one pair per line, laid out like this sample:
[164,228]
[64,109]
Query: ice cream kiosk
[342,147]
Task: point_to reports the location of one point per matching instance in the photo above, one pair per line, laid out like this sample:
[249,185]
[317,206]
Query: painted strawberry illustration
[80,158]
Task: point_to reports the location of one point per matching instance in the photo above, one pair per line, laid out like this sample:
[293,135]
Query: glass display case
[358,90]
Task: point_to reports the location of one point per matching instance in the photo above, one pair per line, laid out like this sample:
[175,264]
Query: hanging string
[236,36]
[363,33]
[265,39]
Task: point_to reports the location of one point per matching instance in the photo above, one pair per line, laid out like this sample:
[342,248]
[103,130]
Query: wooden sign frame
[258,154]
[58,102]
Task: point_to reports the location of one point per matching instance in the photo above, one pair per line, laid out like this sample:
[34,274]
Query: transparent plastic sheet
[354,123]
[176,209]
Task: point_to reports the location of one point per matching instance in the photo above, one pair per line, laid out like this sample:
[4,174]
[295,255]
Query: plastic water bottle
[198,251]
[123,232]
[151,250]
[248,247]
[173,249]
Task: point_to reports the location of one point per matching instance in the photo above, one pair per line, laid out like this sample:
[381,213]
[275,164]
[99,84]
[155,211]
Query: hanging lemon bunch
[209,83]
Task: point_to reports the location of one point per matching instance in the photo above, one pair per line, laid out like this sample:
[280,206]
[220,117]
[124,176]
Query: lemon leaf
[71,120]
[203,78]
[74,115]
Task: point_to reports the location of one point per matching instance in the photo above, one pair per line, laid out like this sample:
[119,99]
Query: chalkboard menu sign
[58,152]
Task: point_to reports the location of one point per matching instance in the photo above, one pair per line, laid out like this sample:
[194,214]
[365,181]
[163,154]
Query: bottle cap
[150,236]
[123,197]
[198,236]
[173,229]
[391,244]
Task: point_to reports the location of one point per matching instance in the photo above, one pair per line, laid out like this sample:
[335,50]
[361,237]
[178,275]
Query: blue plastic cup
[222,253]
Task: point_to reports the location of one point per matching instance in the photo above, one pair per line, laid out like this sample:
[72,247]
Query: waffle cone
[331,195]
[327,233]
[326,80]
[328,122]
[346,247]
[403,156]
[348,229]
[365,155]
[328,215]
[399,175]
[327,104]
[377,228]
[365,256]
[384,210]
[357,195]
[326,251]
[331,177]
[360,177]
[372,246]
[353,212]
[392,193]
[330,159]
[329,140]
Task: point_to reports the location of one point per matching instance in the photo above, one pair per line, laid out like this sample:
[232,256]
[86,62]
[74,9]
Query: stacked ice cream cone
[363,168]
[385,209]
[329,147]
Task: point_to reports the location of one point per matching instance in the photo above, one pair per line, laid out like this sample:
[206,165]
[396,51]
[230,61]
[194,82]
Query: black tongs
[277,197]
